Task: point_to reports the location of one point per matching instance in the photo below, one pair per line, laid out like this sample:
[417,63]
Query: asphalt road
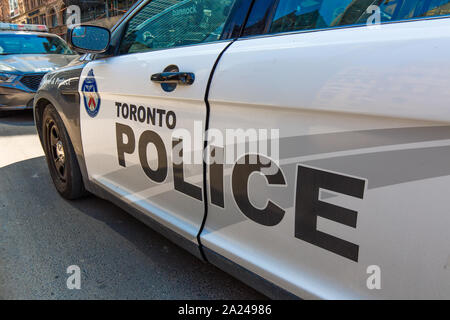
[120,258]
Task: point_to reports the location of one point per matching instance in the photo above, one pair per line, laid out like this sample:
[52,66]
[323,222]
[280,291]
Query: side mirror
[89,39]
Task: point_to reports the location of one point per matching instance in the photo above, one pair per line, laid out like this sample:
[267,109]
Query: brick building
[4,11]
[48,12]
[53,12]
[8,9]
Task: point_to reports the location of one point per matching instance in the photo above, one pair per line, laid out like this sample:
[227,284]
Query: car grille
[32,81]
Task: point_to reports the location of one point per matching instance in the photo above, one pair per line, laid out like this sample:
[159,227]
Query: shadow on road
[120,257]
[17,123]
[19,118]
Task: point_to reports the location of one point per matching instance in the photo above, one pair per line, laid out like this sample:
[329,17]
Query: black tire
[61,159]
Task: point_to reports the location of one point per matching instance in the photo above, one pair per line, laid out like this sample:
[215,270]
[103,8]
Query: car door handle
[182,78]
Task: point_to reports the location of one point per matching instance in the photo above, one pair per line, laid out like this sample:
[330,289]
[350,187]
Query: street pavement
[41,235]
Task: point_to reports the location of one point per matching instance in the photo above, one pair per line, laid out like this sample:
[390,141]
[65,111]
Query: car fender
[60,89]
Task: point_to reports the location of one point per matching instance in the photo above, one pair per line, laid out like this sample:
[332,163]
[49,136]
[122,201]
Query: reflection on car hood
[34,62]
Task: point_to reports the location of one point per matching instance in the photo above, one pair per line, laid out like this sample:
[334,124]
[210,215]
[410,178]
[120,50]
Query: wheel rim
[56,152]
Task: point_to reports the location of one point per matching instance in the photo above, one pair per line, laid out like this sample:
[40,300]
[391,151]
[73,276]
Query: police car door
[146,104]
[355,203]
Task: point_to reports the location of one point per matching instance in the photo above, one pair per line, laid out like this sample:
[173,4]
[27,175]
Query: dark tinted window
[260,14]
[402,10]
[294,15]
[236,19]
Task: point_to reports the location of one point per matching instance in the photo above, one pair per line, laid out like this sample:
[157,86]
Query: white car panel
[131,84]
[369,103]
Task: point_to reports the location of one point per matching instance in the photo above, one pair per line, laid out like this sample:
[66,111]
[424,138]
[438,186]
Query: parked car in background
[27,53]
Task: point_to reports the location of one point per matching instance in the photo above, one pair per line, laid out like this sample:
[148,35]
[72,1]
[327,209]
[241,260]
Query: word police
[309,182]
[154,116]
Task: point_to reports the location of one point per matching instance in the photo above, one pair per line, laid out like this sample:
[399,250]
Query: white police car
[351,98]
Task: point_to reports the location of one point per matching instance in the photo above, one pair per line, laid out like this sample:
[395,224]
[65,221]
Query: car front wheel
[61,158]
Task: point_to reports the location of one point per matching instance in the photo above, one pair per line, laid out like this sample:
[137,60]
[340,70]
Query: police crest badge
[91,97]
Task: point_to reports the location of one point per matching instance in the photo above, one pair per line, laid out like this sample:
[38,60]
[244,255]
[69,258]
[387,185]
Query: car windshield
[32,44]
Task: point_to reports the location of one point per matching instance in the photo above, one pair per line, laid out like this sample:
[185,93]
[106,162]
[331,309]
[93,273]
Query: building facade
[9,9]
[4,10]
[53,12]
[48,12]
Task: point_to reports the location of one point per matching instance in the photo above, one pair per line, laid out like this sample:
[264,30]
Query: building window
[53,18]
[42,19]
[61,14]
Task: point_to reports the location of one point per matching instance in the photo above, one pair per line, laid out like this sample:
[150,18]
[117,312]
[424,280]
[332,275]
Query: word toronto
[235,143]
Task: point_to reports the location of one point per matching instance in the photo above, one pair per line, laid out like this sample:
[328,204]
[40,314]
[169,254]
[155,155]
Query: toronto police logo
[90,95]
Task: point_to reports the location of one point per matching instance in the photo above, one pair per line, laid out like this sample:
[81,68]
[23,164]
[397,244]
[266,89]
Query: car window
[257,20]
[293,15]
[402,10]
[165,24]
[32,44]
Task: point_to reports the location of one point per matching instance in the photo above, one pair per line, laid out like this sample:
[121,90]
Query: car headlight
[7,77]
